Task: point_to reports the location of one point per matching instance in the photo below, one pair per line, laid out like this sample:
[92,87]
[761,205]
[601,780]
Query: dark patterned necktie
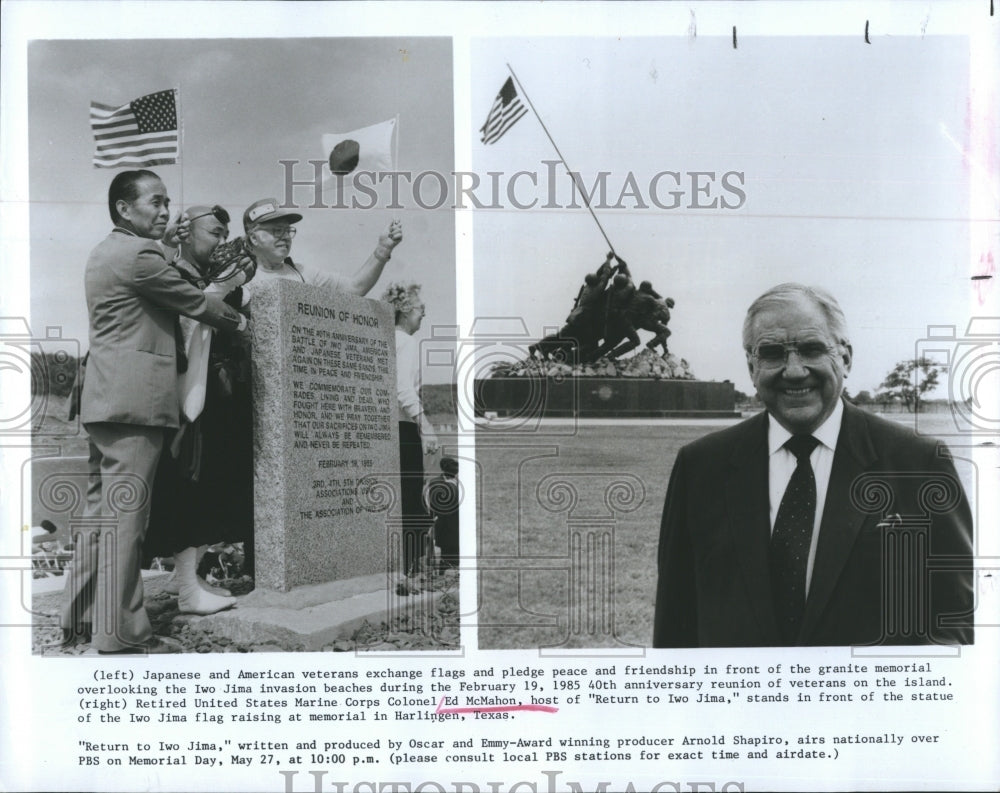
[789,551]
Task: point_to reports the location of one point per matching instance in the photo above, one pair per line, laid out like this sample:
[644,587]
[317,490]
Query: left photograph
[243,311]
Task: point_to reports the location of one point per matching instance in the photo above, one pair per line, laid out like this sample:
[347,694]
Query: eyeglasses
[775,354]
[219,213]
[280,232]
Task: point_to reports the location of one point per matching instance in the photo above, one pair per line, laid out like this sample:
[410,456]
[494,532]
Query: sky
[854,178]
[245,104]
[851,160]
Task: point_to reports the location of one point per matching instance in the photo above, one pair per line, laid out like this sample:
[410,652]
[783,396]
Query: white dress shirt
[781,465]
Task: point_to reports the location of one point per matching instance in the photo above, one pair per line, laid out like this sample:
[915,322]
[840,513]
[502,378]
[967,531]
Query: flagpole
[180,142]
[583,193]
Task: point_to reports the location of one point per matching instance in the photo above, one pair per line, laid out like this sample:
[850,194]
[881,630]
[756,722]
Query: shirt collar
[826,433]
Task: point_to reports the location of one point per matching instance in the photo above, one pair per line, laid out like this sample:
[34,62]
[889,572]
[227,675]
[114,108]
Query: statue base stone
[604,397]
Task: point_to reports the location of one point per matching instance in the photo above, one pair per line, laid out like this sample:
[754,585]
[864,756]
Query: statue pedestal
[604,397]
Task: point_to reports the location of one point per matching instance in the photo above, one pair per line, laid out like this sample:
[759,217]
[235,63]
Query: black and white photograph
[467,397]
[259,445]
[669,247]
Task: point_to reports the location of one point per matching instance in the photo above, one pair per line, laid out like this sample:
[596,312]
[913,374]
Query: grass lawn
[567,557]
[526,550]
[57,430]
[538,494]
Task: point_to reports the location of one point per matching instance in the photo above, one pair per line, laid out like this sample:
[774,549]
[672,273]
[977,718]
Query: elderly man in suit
[130,397]
[813,523]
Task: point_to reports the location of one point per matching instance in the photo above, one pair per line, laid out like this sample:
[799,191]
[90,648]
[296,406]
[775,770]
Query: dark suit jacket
[893,561]
[133,299]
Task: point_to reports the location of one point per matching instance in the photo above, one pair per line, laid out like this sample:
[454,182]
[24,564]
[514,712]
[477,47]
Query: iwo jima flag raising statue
[601,328]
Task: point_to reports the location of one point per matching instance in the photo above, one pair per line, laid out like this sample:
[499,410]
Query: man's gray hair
[784,293]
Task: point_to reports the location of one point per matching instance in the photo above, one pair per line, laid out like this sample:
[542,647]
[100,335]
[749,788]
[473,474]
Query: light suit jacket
[133,298]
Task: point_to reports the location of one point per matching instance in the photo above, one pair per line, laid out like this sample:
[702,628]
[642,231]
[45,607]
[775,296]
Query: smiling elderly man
[812,523]
[269,234]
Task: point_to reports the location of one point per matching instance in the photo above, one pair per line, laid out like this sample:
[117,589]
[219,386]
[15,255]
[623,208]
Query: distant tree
[746,399]
[910,380]
[863,398]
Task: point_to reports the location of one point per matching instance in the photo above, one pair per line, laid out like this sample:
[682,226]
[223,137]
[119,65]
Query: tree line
[53,374]
[907,383]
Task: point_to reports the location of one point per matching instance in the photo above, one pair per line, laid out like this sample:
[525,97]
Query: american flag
[141,133]
[506,110]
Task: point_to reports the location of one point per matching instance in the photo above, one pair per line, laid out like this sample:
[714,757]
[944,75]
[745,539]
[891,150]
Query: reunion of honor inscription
[325,418]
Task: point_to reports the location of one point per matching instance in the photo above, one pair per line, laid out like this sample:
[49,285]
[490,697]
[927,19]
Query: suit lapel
[842,520]
[748,510]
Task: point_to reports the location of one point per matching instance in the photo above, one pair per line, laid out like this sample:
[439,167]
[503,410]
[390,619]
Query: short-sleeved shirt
[306,275]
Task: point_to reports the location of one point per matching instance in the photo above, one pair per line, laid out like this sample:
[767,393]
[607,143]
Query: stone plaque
[325,416]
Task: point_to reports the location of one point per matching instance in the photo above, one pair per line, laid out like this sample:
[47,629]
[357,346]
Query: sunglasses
[219,213]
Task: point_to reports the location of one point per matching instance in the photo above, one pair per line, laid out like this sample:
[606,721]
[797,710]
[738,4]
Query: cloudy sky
[853,168]
[245,104]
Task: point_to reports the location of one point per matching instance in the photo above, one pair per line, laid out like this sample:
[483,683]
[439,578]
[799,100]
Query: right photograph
[728,356]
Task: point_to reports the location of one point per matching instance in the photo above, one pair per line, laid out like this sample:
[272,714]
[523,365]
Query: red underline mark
[496,708]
